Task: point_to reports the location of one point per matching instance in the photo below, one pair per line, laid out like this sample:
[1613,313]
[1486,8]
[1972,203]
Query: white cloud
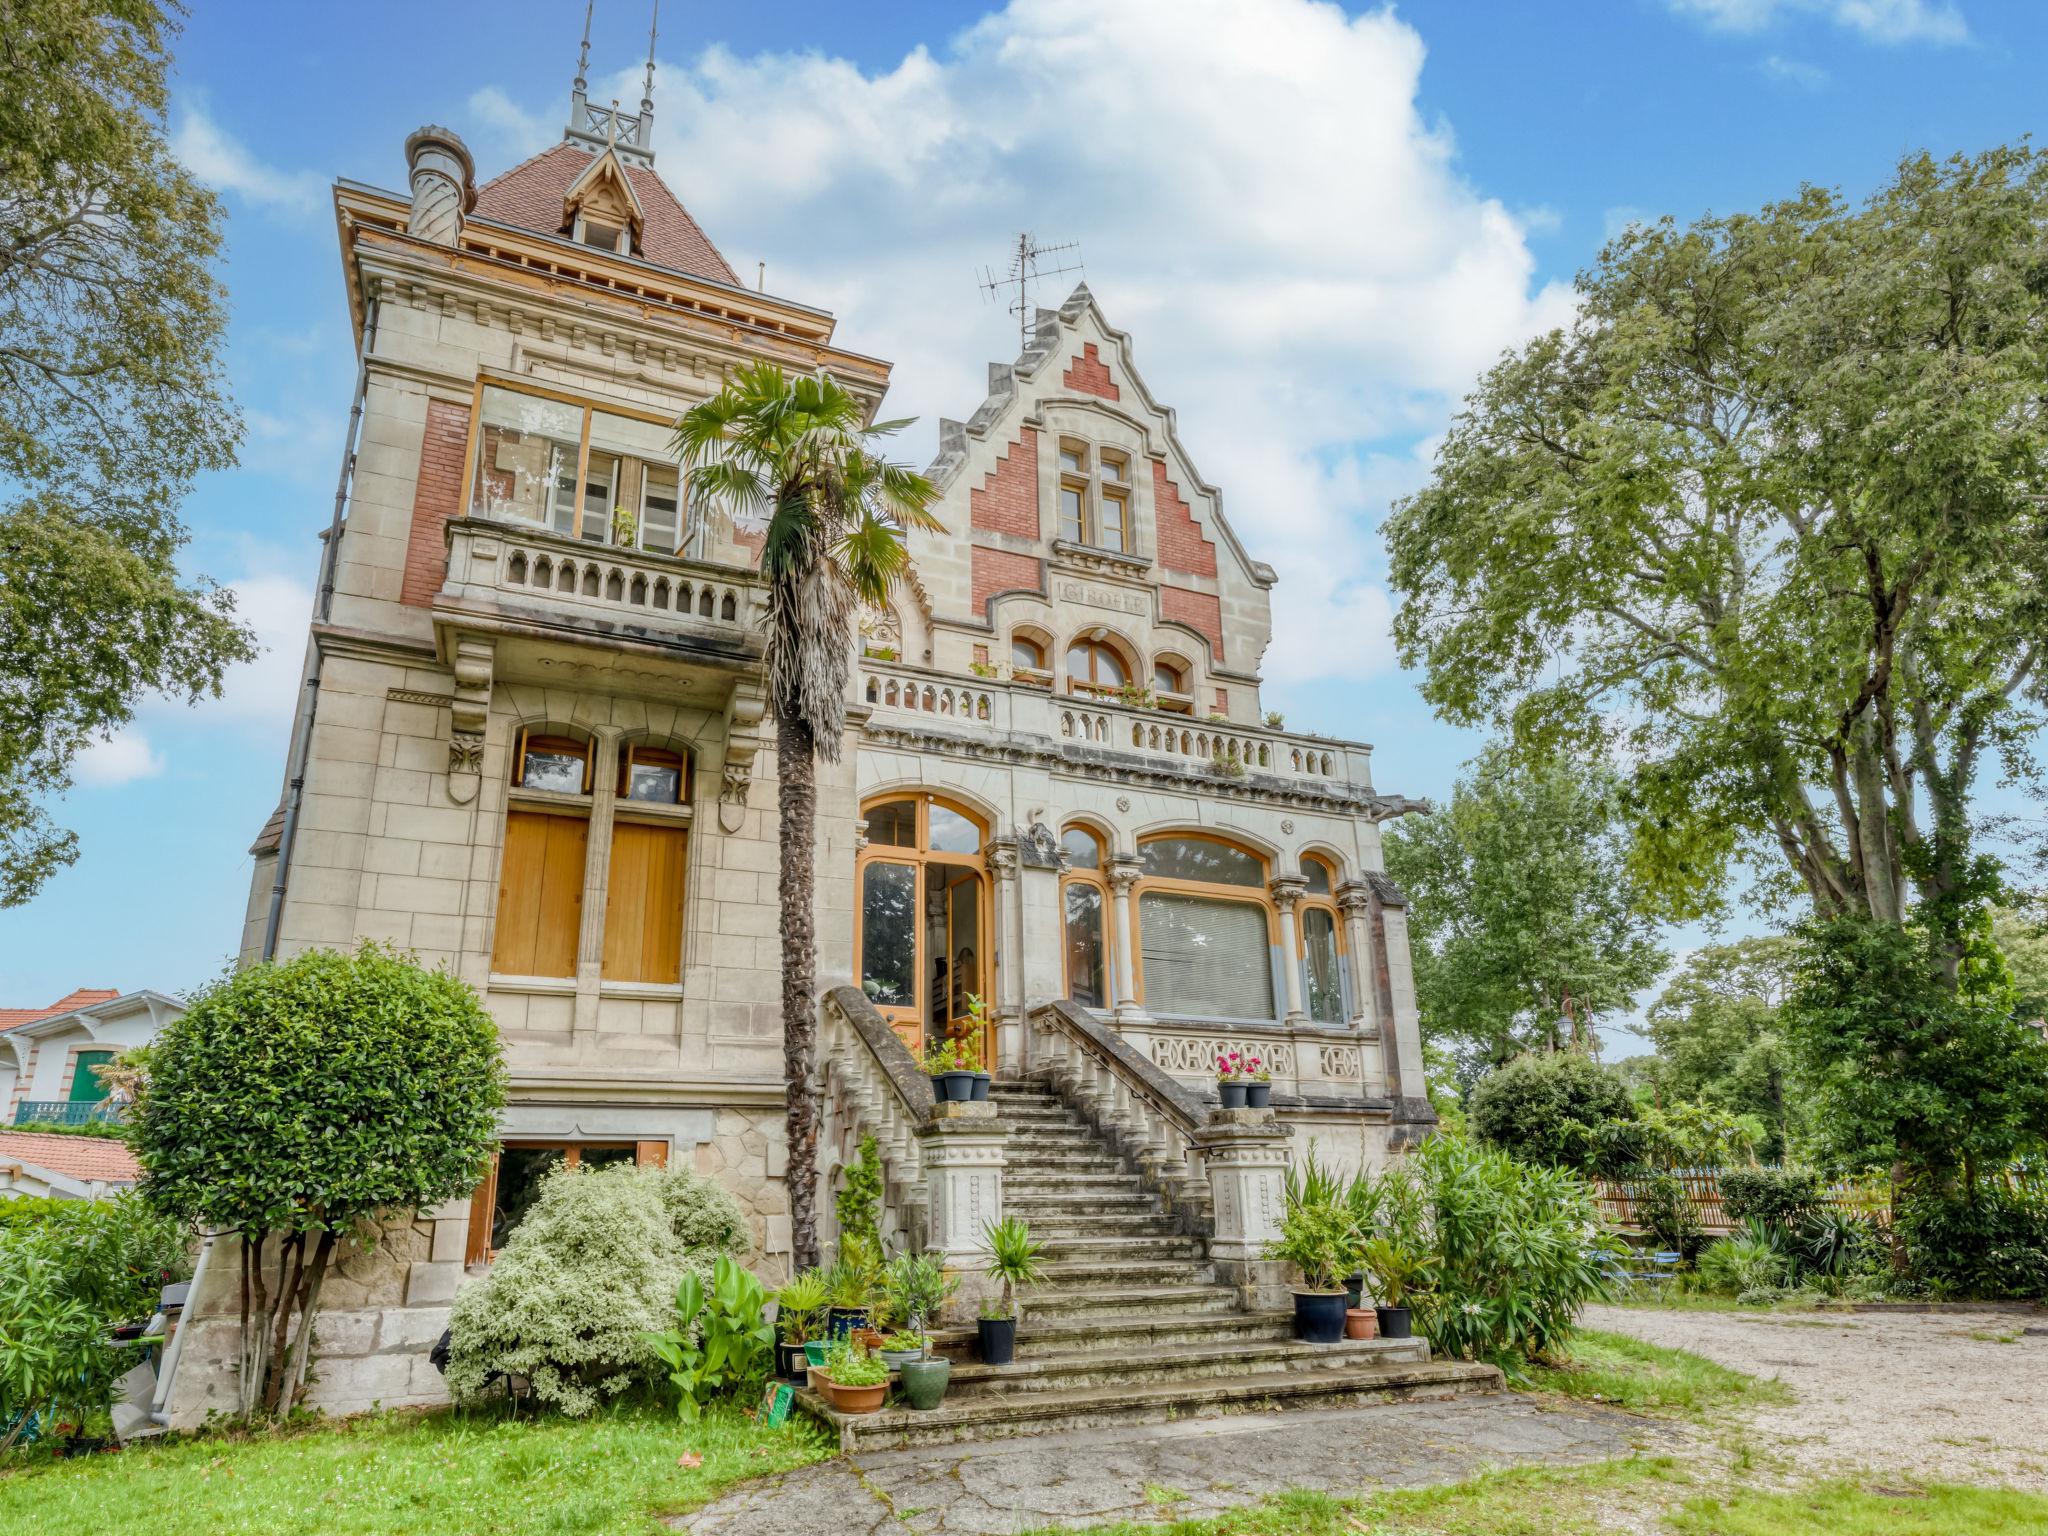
[1306,276]
[509,127]
[120,759]
[220,160]
[1808,76]
[1881,21]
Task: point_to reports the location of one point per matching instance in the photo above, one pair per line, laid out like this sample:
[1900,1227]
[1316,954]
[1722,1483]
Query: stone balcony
[897,693]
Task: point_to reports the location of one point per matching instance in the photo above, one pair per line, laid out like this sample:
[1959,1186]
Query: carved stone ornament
[1123,803]
[1287,825]
[465,765]
[744,711]
[1039,848]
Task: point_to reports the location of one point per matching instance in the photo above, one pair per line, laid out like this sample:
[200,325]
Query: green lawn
[420,1475]
[1647,1378]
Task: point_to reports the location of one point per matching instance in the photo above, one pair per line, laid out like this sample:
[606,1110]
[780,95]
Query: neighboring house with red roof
[47,1055]
[45,1163]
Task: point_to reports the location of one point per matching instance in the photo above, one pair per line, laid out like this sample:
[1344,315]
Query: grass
[416,1474]
[1850,1509]
[1648,1378]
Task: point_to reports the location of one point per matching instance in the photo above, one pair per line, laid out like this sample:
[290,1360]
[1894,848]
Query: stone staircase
[1130,1324]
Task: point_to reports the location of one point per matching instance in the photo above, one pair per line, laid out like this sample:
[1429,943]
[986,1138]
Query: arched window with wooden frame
[1095,666]
[1084,908]
[1207,929]
[921,931]
[1322,943]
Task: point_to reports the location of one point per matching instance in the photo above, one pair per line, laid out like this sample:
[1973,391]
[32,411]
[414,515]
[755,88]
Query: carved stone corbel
[744,712]
[469,714]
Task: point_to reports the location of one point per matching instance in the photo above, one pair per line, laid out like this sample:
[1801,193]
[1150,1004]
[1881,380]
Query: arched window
[1206,929]
[1322,945]
[1026,654]
[1093,667]
[1084,901]
[1169,677]
[922,935]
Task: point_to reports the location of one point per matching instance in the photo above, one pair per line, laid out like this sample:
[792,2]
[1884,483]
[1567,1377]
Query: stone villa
[532,748]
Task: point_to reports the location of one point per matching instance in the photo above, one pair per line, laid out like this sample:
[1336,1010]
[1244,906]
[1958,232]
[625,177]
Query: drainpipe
[323,603]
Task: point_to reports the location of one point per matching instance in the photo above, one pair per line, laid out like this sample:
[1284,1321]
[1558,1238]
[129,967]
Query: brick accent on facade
[1198,610]
[1007,500]
[998,570]
[434,502]
[1182,544]
[1089,375]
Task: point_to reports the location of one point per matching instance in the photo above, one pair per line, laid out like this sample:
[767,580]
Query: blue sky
[1318,224]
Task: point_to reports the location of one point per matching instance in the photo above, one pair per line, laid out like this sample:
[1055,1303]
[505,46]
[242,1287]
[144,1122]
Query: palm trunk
[797,798]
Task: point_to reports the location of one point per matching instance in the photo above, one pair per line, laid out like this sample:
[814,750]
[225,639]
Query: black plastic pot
[1233,1094]
[1394,1323]
[1319,1316]
[953,1087]
[981,1084]
[790,1361]
[997,1337]
[1354,1290]
[1258,1095]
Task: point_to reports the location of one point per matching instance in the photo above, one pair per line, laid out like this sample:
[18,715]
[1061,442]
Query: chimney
[443,184]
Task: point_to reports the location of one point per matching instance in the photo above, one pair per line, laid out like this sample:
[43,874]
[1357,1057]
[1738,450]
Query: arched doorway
[921,934]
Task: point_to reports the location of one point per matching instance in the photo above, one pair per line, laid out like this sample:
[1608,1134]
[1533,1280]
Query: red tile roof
[530,196]
[79,1157]
[84,997]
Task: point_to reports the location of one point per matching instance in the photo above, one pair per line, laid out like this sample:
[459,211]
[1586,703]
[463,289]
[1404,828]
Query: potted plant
[917,1288]
[970,1049]
[900,1346]
[1396,1270]
[800,1310]
[952,1079]
[1319,1237]
[1258,1088]
[1230,1082]
[851,1284]
[1013,1260]
[852,1380]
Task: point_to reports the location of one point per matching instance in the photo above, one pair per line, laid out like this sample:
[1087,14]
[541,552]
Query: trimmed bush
[1990,1242]
[590,1272]
[1781,1195]
[1560,1110]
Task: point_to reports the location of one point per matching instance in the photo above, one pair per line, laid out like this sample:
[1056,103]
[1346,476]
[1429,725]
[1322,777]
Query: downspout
[323,603]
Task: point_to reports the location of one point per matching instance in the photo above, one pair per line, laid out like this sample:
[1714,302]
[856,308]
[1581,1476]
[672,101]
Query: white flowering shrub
[592,1269]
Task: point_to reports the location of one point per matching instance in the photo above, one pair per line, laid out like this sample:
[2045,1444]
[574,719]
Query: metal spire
[583,57]
[647,90]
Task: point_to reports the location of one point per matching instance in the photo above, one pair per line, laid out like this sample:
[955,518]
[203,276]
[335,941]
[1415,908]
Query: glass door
[888,944]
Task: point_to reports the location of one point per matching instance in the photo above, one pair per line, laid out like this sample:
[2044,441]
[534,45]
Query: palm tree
[801,451]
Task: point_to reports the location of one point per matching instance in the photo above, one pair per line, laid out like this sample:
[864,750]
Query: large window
[1084,901]
[603,476]
[1095,496]
[513,1180]
[922,936]
[1205,930]
[1322,945]
[1093,666]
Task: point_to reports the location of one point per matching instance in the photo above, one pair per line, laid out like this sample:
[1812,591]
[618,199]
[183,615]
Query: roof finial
[647,90]
[583,57]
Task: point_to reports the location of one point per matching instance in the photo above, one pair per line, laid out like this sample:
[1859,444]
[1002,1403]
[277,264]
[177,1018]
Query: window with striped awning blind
[1204,956]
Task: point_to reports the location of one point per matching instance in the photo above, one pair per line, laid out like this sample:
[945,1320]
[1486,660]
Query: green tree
[801,451]
[1523,909]
[2023,941]
[111,402]
[1560,1109]
[1717,1040]
[296,1100]
[1772,513]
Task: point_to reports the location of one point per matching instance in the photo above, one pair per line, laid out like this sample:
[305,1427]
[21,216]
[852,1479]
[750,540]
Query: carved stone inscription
[1092,595]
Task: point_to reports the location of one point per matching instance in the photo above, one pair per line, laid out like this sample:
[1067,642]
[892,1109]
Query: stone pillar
[1402,1031]
[961,1148]
[443,184]
[1245,1155]
[1007,946]
[1287,890]
[1123,874]
[597,874]
[1354,901]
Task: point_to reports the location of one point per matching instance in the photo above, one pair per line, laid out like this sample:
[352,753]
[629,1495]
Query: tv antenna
[1026,268]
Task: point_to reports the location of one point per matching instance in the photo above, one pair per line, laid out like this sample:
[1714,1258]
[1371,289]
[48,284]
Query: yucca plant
[801,1305]
[1013,1260]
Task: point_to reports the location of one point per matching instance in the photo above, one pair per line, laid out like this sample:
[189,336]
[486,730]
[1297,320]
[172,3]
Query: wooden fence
[1621,1199]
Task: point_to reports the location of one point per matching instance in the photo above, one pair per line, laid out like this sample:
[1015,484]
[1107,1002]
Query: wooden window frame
[483,1200]
[642,751]
[1089,685]
[909,1022]
[1097,877]
[527,737]
[1320,902]
[1259,895]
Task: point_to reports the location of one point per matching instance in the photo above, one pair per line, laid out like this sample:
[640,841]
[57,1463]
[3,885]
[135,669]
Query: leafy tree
[1524,910]
[2023,941]
[801,452]
[1557,1109]
[297,1099]
[111,402]
[1772,513]
[1718,1044]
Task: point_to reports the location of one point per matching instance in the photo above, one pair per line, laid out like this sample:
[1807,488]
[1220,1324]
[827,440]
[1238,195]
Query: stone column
[961,1148]
[1287,890]
[1354,901]
[1402,1032]
[1007,947]
[443,184]
[597,873]
[1245,1155]
[1123,874]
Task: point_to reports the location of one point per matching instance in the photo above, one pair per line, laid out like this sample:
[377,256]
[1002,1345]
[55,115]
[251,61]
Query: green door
[86,1087]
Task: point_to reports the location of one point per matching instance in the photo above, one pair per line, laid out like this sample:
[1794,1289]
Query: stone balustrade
[873,1086]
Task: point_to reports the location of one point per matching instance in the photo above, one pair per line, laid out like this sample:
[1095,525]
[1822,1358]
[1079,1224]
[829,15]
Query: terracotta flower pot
[1361,1323]
[869,1339]
[850,1399]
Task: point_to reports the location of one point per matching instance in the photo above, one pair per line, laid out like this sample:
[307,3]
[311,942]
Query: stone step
[1078,1367]
[1109,1274]
[1022,1164]
[1054,1222]
[1060,1333]
[1122,1245]
[1129,1301]
[992,1415]
[1058,1184]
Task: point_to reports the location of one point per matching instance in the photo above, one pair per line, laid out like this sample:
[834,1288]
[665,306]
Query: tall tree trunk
[797,797]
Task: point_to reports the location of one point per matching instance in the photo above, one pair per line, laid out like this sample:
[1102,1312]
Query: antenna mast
[1025,269]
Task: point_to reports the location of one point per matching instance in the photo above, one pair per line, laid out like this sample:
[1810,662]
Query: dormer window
[606,237]
[1095,496]
[601,209]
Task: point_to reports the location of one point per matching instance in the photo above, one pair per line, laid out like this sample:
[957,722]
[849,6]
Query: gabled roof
[83,997]
[532,193]
[90,1159]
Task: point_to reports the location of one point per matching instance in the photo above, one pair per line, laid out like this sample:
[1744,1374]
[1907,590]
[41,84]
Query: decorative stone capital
[1287,890]
[1354,899]
[1125,873]
[1002,858]
[744,711]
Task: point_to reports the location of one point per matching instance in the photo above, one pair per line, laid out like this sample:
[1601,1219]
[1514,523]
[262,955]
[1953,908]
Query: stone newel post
[1244,1152]
[962,1150]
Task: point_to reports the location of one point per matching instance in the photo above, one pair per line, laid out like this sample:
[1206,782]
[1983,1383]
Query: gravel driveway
[1937,1396]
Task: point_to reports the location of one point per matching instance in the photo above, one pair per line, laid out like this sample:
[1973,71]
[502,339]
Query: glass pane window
[652,775]
[1083,850]
[1073,459]
[1317,873]
[953,833]
[1112,467]
[952,943]
[553,763]
[520,1170]
[888,935]
[1319,956]
[598,483]
[1086,952]
[1167,680]
[1028,654]
[525,447]
[660,511]
[1205,957]
[893,824]
[1115,522]
[1203,859]
[1089,661]
[1073,528]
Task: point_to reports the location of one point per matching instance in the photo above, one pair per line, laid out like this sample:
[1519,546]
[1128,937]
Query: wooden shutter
[482,1205]
[651,1154]
[643,919]
[540,894]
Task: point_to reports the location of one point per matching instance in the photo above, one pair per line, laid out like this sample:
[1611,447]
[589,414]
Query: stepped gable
[531,194]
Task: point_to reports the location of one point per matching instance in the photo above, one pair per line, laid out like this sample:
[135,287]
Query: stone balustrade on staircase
[870,1085]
